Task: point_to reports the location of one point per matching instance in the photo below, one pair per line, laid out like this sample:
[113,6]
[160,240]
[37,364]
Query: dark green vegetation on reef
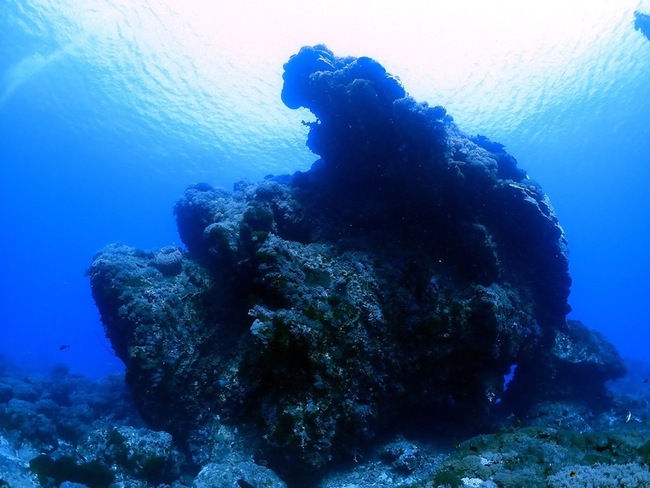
[390,287]
[92,474]
[544,456]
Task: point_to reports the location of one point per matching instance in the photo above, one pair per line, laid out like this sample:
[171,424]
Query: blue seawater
[109,109]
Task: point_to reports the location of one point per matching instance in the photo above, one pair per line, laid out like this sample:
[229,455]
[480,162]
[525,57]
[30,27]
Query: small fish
[64,346]
[629,416]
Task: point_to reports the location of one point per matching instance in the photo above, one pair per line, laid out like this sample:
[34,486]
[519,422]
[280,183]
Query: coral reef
[560,443]
[399,279]
[46,420]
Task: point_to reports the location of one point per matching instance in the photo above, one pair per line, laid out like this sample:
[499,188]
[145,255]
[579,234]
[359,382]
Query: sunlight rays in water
[210,73]
[25,70]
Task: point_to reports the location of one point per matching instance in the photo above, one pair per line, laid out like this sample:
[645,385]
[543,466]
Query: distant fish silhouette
[64,346]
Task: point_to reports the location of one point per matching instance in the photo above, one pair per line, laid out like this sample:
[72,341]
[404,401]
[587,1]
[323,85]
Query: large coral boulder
[401,277]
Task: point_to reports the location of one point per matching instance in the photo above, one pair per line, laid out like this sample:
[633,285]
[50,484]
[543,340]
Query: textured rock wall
[398,279]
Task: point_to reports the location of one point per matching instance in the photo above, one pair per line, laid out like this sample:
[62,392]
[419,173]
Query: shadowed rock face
[400,277]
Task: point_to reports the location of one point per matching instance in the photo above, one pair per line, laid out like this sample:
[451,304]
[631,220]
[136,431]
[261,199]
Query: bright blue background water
[109,109]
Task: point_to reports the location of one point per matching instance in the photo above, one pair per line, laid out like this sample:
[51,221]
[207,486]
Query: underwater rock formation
[399,279]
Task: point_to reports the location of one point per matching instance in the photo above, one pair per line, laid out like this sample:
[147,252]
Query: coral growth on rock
[400,278]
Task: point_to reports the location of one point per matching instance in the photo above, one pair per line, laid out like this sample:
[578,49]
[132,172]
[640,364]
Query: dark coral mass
[399,278]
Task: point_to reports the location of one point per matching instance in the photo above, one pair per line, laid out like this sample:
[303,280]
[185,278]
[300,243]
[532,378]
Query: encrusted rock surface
[398,279]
